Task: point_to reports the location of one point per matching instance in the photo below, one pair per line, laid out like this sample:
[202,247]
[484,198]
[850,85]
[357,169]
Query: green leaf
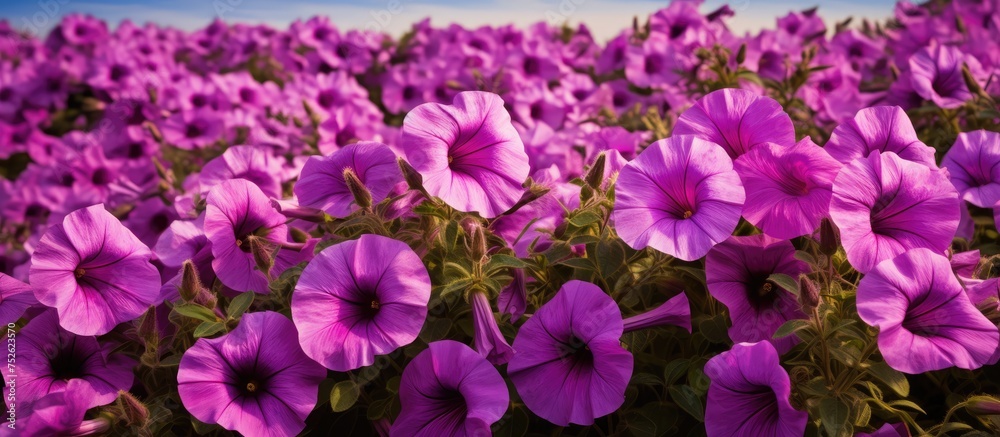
[196,311]
[715,329]
[790,327]
[834,415]
[784,281]
[240,304]
[207,329]
[675,370]
[806,257]
[344,395]
[585,218]
[686,398]
[892,378]
[500,261]
[609,256]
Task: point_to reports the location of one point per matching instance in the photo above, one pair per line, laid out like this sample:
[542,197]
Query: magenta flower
[190,130]
[749,394]
[49,359]
[738,120]
[675,311]
[253,163]
[62,413]
[358,299]
[937,74]
[570,366]
[449,389]
[681,196]
[489,341]
[882,129]
[94,271]
[788,189]
[881,205]
[321,184]
[469,153]
[254,380]
[926,321]
[239,219]
[15,298]
[974,166]
[737,274]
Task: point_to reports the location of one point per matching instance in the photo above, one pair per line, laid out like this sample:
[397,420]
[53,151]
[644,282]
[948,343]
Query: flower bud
[808,293]
[595,176]
[971,81]
[262,255]
[983,406]
[828,243]
[412,177]
[190,283]
[475,238]
[489,342]
[741,55]
[361,194]
[134,411]
[513,298]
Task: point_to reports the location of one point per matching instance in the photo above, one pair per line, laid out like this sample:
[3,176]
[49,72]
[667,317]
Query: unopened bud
[190,283]
[960,24]
[147,326]
[412,177]
[808,293]
[827,238]
[262,256]
[134,411]
[362,196]
[595,176]
[475,238]
[983,406]
[971,81]
[741,55]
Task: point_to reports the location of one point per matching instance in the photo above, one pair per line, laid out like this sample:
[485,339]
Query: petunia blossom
[322,185]
[49,358]
[788,189]
[738,120]
[681,196]
[882,203]
[358,299]
[749,394]
[973,164]
[15,298]
[738,272]
[926,321]
[449,389]
[469,153]
[570,366]
[937,74]
[94,271]
[882,129]
[254,163]
[254,380]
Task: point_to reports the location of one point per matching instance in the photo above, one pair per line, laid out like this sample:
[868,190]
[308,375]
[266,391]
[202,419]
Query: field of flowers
[681,231]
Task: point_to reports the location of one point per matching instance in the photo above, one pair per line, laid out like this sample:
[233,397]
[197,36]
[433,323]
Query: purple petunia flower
[15,298]
[675,311]
[737,274]
[881,205]
[253,163]
[738,120]
[190,130]
[787,188]
[94,271]
[358,299]
[469,153]
[322,185]
[489,341]
[254,380]
[882,129]
[749,394]
[926,321]
[449,389]
[62,413]
[681,196]
[239,220]
[974,166]
[937,74]
[570,366]
[49,358]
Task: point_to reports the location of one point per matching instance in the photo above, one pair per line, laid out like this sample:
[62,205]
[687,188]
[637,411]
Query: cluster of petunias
[464,231]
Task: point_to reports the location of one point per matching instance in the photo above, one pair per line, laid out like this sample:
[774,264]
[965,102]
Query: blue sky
[605,17]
